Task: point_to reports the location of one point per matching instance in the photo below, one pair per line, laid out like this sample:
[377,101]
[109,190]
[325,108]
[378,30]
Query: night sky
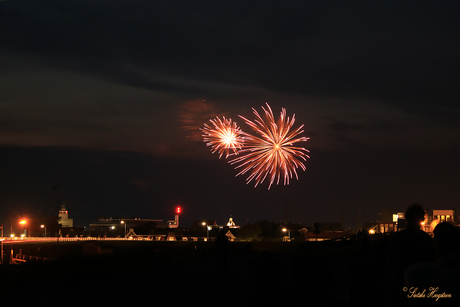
[104,99]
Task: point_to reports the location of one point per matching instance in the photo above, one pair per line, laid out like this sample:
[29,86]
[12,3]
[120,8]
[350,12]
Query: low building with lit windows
[444,215]
[432,219]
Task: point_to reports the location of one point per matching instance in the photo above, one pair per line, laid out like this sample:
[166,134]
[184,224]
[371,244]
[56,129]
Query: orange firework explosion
[273,155]
[225,136]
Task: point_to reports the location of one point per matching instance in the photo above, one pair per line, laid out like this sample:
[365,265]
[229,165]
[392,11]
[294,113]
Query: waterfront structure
[116,227]
[64,220]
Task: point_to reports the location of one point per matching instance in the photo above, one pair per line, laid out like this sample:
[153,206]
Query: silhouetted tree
[270,230]
[250,232]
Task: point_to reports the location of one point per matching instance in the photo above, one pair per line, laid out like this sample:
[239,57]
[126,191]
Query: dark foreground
[188,273]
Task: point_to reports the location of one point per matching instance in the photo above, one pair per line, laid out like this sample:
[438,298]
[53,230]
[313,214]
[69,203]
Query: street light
[123,222]
[289,233]
[43,226]
[207,230]
[23,223]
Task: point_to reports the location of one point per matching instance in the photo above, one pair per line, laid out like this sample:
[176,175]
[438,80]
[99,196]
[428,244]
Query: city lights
[123,222]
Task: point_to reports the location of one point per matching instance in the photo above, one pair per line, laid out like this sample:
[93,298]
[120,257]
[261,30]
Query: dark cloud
[402,53]
[193,114]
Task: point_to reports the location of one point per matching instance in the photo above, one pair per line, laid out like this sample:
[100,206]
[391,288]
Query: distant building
[327,231]
[119,227]
[231,237]
[444,215]
[231,223]
[174,223]
[432,219]
[385,227]
[64,217]
[386,216]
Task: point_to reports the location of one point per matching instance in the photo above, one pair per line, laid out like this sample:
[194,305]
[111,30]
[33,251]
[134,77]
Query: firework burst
[273,155]
[223,136]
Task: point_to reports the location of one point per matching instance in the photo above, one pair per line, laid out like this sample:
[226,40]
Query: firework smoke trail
[273,154]
[223,137]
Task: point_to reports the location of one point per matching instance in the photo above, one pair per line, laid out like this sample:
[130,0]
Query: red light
[178,210]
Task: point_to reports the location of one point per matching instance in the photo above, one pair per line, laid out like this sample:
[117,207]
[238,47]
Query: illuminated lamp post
[207,230]
[289,233]
[23,223]
[123,222]
[43,226]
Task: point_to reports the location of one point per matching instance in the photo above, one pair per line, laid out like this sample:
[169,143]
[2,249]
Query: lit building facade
[444,215]
[64,218]
[436,217]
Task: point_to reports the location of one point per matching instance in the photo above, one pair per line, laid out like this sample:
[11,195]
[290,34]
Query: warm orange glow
[434,224]
[23,222]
